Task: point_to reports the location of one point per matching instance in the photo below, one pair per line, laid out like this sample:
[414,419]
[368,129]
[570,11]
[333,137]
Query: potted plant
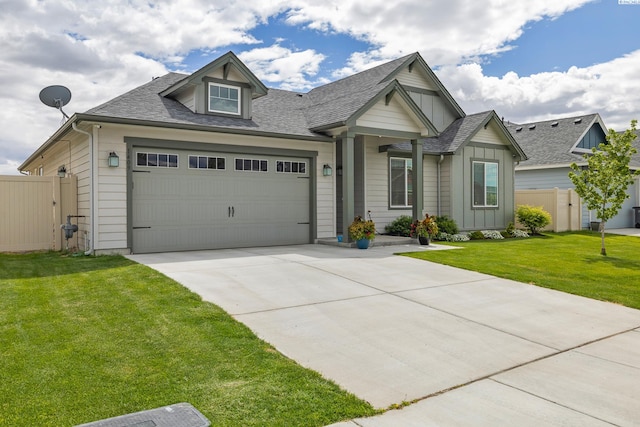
[362,232]
[424,229]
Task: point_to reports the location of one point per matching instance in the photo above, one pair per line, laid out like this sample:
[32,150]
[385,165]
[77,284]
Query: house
[553,145]
[215,159]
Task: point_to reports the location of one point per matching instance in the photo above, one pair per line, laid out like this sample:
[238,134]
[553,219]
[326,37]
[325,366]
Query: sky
[527,60]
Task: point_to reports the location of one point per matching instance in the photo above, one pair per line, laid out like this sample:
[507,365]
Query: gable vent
[532,127]
[576,121]
[554,124]
[518,129]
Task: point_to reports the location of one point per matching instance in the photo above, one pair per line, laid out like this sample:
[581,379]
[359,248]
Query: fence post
[57,212]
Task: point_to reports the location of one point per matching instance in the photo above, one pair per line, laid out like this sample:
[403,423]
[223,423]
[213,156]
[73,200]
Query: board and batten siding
[392,116]
[462,210]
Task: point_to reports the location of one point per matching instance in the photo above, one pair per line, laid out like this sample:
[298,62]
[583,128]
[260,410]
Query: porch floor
[380,240]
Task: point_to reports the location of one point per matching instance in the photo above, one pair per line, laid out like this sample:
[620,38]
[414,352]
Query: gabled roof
[416,60]
[549,143]
[459,133]
[226,61]
[278,113]
[346,109]
[338,102]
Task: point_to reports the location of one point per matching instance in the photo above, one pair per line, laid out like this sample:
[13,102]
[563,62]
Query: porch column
[417,180]
[348,183]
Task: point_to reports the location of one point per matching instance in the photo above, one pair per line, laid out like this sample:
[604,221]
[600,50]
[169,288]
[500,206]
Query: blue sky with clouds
[527,60]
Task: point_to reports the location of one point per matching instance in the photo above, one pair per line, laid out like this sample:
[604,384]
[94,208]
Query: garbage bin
[636,217]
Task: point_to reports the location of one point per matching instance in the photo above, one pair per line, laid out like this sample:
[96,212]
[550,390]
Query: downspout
[91,188]
[438,184]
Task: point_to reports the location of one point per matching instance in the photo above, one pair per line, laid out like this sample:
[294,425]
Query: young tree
[603,183]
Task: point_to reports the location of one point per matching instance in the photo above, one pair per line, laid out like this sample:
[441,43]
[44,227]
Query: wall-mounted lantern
[62,171]
[326,170]
[113,160]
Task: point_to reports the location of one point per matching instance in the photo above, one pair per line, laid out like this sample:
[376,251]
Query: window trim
[208,99]
[473,187]
[406,184]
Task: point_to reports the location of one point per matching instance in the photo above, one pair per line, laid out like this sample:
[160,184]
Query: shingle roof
[279,112]
[453,137]
[551,145]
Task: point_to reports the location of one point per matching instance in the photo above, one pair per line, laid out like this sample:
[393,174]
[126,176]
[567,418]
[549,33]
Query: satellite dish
[56,97]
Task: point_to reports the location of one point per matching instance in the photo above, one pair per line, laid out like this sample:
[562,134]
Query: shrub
[476,235]
[400,226]
[532,217]
[458,237]
[492,234]
[520,233]
[446,225]
[510,228]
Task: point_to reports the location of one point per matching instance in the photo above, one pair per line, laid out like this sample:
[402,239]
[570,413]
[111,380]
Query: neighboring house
[552,146]
[216,160]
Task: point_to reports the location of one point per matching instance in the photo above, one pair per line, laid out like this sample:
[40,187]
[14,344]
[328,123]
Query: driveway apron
[466,348]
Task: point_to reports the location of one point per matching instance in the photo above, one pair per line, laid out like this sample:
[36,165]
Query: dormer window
[224,99]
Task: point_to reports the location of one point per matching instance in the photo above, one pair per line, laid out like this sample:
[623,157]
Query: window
[485,184]
[285,166]
[157,160]
[207,162]
[224,99]
[400,182]
[251,165]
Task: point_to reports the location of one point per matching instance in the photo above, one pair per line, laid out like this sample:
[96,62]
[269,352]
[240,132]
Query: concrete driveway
[466,348]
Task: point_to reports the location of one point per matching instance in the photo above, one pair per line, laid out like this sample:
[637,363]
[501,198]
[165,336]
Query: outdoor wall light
[326,170]
[113,160]
[62,171]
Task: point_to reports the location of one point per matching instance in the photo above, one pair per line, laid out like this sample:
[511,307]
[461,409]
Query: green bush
[400,226]
[476,235]
[446,225]
[532,217]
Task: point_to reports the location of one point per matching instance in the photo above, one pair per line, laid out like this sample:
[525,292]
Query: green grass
[86,338]
[569,262]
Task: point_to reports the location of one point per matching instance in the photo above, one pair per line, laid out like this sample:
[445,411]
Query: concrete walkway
[466,348]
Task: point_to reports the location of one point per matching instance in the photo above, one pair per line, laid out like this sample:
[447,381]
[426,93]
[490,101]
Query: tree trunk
[603,250]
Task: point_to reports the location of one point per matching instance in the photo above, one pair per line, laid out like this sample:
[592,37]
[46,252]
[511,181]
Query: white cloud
[291,70]
[444,32]
[594,89]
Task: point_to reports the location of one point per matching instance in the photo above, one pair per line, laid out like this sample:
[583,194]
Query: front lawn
[84,338]
[569,262]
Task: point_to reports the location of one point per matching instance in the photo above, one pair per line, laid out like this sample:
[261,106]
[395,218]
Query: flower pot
[362,243]
[423,240]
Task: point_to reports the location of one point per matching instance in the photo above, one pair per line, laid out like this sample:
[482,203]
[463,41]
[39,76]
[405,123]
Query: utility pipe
[91,189]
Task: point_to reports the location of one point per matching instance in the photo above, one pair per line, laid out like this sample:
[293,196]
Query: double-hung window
[224,99]
[485,184]
[400,182]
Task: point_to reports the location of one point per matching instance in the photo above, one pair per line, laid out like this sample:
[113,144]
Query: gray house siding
[433,107]
[540,179]
[462,210]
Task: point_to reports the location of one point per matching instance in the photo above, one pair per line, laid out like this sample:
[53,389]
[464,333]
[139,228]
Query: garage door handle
[233,211]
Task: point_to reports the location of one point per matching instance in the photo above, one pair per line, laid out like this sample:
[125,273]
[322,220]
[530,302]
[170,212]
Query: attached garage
[192,199]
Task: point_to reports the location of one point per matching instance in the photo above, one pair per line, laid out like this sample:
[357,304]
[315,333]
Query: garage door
[188,200]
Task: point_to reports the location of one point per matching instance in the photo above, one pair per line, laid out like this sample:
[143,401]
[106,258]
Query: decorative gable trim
[492,117]
[416,60]
[392,89]
[225,62]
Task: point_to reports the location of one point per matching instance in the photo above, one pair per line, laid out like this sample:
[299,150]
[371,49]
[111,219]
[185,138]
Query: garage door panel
[187,209]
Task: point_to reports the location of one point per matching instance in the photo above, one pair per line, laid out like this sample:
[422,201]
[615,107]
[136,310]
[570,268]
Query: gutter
[92,197]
